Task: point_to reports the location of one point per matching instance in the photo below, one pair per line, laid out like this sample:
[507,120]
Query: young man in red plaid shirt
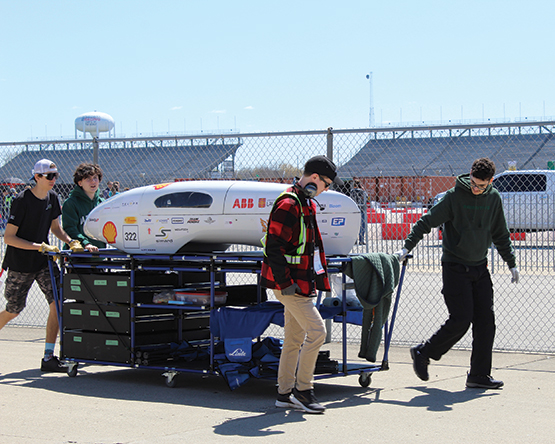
[295,267]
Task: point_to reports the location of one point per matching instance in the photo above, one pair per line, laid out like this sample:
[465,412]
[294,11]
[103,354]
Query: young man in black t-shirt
[34,212]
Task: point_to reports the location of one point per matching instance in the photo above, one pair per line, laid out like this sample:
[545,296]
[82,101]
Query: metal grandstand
[133,162]
[448,150]
[438,150]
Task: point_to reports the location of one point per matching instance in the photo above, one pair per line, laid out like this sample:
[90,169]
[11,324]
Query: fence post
[95,150]
[328,322]
[330,143]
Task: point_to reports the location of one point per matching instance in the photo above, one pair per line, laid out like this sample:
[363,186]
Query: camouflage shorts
[18,285]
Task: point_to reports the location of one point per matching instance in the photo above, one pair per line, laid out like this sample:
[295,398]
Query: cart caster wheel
[171,378]
[72,370]
[365,379]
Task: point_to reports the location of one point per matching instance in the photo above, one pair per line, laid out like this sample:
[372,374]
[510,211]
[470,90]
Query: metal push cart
[106,314]
[364,370]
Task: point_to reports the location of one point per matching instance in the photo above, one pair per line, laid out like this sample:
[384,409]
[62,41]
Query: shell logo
[130,220]
[160,186]
[264,225]
[109,232]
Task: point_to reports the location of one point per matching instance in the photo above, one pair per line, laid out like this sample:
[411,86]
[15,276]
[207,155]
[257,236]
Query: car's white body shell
[234,212]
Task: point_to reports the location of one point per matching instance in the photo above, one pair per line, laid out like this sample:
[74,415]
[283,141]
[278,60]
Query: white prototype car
[201,216]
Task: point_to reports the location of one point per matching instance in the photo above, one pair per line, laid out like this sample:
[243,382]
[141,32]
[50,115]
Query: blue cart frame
[248,262]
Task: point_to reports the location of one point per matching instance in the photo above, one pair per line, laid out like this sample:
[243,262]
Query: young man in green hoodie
[82,199]
[473,218]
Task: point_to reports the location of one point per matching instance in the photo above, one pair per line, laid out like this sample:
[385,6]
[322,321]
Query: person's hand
[515,273]
[291,290]
[92,248]
[401,254]
[76,247]
[45,249]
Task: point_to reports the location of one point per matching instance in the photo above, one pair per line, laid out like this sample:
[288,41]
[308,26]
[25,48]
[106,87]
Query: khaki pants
[305,333]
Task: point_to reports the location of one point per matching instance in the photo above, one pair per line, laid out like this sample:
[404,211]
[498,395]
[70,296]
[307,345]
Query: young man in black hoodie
[473,218]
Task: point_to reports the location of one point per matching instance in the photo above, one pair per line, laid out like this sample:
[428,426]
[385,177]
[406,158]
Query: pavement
[109,404]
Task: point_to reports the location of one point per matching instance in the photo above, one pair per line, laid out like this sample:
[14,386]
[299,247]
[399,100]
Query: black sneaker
[306,401]
[285,401]
[52,365]
[483,382]
[420,363]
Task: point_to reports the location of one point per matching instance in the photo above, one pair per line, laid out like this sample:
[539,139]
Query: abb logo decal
[244,203]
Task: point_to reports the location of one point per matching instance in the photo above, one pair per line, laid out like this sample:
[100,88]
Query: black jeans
[468,294]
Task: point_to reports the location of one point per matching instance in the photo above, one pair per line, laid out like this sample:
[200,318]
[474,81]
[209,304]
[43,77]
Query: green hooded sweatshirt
[74,213]
[471,223]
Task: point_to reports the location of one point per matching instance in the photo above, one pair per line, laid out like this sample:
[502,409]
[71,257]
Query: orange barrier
[410,218]
[519,236]
[376,218]
[395,231]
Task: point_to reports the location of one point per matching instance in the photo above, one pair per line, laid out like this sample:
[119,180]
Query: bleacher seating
[445,156]
[132,167]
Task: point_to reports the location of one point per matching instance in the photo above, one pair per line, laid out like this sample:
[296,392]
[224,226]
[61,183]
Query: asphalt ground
[109,404]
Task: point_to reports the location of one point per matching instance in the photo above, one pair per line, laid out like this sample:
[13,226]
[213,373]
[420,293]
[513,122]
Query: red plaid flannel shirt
[283,239]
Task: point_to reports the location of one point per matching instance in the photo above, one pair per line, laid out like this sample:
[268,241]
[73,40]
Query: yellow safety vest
[291,259]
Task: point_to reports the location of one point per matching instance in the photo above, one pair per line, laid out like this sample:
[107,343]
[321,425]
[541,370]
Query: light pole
[371,112]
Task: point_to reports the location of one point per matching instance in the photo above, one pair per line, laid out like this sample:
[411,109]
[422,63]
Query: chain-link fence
[394,174]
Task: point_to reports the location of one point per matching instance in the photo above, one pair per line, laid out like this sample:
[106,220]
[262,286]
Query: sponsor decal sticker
[338,222]
[264,224]
[131,236]
[261,202]
[193,220]
[163,235]
[110,232]
[244,203]
[178,220]
[130,220]
[209,221]
[160,186]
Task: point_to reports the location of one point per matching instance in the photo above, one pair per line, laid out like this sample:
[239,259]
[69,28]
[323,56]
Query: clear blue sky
[261,66]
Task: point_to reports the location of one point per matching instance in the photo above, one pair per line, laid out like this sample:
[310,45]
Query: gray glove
[401,254]
[515,273]
[291,290]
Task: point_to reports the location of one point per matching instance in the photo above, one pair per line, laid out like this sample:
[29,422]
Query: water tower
[95,123]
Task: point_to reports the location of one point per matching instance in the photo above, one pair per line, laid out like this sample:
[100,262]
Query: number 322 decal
[131,236]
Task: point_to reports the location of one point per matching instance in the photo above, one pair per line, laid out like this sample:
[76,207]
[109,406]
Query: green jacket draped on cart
[375,276]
